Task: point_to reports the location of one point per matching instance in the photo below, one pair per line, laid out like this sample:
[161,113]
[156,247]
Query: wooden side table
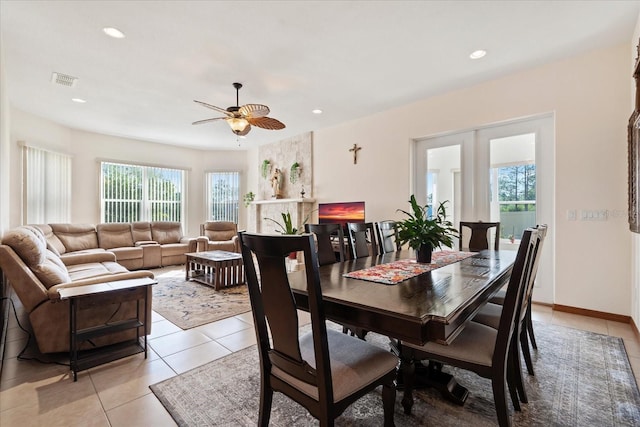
[83,297]
[215,268]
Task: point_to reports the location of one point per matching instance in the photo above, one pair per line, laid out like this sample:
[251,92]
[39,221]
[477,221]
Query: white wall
[4,147]
[89,148]
[589,95]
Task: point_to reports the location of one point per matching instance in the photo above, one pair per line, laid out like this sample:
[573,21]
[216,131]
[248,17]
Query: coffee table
[215,268]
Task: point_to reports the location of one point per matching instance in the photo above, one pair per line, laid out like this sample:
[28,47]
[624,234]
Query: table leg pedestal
[414,375]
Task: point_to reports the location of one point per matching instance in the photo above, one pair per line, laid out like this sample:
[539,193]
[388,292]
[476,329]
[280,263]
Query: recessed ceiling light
[317,111]
[113,32]
[78,100]
[478,54]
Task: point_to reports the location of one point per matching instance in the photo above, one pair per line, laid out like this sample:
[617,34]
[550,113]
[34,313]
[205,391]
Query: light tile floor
[117,394]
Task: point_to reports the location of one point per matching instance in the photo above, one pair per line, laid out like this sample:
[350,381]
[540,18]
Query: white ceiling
[349,58]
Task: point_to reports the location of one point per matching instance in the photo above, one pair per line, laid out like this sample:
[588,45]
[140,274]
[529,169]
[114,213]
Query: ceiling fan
[241,118]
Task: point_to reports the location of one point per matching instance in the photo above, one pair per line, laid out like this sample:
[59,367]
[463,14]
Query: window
[47,186]
[141,193]
[513,183]
[223,196]
[516,198]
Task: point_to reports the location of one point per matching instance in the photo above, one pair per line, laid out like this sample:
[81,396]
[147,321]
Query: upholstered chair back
[165,232]
[114,235]
[219,231]
[30,245]
[76,237]
[141,231]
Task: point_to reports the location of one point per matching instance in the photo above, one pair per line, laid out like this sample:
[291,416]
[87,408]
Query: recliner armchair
[218,236]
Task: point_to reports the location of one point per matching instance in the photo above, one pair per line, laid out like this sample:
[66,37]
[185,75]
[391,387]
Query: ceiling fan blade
[199,122]
[254,110]
[213,107]
[266,123]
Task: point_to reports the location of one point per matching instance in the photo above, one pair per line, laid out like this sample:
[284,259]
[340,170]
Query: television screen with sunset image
[340,213]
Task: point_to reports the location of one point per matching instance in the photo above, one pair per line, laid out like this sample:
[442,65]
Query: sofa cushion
[52,271]
[117,235]
[53,243]
[124,253]
[141,231]
[94,269]
[165,232]
[28,244]
[76,237]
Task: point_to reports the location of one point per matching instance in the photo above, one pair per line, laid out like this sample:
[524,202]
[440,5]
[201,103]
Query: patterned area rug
[190,304]
[582,379]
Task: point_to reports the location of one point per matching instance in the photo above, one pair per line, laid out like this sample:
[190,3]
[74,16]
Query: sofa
[135,245]
[218,236]
[35,274]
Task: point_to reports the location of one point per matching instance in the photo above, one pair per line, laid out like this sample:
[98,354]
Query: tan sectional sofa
[135,245]
[36,273]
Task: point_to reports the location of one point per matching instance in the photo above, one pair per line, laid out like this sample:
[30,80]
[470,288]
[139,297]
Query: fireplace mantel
[282,201]
[300,209]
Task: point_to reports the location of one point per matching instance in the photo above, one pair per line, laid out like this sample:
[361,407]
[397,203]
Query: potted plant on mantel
[286,227]
[423,233]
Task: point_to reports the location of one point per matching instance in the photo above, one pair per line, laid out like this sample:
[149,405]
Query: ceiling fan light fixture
[238,124]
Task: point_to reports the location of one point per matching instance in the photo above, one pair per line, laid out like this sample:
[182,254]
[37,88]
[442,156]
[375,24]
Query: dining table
[433,305]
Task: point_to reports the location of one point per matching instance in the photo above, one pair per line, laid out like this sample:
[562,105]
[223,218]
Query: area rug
[189,304]
[582,379]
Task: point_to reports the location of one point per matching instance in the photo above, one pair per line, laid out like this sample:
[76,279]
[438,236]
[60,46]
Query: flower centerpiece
[424,233]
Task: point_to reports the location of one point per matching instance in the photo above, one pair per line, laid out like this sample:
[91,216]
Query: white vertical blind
[47,186]
[223,196]
[141,193]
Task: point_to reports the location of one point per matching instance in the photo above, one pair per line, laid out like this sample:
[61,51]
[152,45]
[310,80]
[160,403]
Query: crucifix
[355,150]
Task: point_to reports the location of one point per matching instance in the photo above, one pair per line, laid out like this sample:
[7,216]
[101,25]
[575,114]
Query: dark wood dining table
[433,306]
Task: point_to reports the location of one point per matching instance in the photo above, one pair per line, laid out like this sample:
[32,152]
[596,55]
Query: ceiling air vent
[63,79]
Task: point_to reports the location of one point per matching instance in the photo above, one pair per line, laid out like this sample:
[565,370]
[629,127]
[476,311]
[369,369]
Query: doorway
[499,173]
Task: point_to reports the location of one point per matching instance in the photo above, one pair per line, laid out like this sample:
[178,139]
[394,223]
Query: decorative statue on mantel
[276,184]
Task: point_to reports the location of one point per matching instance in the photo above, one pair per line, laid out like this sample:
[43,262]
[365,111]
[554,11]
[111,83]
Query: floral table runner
[398,271]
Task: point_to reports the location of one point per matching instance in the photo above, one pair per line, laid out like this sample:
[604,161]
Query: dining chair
[479,348]
[490,313]
[479,239]
[387,233]
[361,237]
[329,242]
[322,370]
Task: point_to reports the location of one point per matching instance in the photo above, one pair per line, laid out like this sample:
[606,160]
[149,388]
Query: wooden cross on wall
[355,150]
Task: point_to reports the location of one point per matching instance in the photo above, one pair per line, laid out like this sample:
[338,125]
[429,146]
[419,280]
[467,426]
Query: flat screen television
[340,213]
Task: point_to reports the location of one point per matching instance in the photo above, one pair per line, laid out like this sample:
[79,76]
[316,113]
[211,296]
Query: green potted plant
[248,198]
[294,173]
[265,167]
[423,233]
[286,227]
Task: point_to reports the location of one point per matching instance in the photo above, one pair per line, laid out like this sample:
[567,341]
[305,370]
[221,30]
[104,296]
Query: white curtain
[47,186]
